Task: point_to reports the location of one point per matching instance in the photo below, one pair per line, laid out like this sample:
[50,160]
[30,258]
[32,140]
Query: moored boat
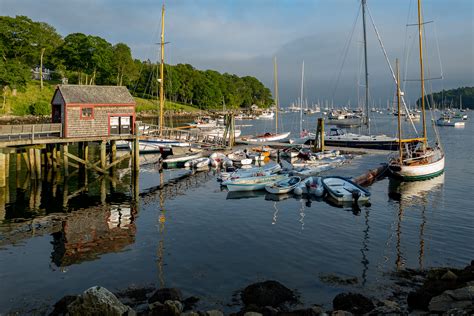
[253,183]
[283,186]
[342,190]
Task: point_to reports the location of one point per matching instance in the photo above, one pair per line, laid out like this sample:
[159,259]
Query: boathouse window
[87,113]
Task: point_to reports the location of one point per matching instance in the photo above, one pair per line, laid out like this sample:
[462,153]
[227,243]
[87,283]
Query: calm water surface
[194,236]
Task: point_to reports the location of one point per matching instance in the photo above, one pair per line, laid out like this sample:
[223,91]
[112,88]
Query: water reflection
[87,234]
[413,194]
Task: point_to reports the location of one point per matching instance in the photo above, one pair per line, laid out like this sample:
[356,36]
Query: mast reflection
[413,194]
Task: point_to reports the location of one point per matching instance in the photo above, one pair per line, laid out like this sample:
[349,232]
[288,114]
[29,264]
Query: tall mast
[366,119]
[275,81]
[399,117]
[301,98]
[422,74]
[162,69]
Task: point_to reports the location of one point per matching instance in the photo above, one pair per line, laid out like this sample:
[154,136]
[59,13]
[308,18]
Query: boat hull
[418,172]
[382,145]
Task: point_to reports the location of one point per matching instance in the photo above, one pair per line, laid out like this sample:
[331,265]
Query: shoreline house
[93,111]
[35,73]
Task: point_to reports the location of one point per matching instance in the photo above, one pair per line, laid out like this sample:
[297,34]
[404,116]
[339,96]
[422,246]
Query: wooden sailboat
[416,160]
[158,144]
[272,137]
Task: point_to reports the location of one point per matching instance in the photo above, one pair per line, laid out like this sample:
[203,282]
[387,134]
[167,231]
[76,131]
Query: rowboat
[283,186]
[311,185]
[197,163]
[267,169]
[268,137]
[183,157]
[253,183]
[342,190]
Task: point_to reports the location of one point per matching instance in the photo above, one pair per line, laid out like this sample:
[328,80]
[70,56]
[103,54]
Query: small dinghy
[253,183]
[197,163]
[342,190]
[283,186]
[267,169]
[176,160]
[312,186]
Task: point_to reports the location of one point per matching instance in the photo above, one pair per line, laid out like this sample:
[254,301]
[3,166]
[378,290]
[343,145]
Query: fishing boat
[271,137]
[446,120]
[283,186]
[253,183]
[344,118]
[416,159]
[217,131]
[342,190]
[266,115]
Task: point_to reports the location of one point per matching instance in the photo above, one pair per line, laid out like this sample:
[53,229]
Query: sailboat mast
[301,98]
[162,69]
[366,68]
[399,117]
[275,80]
[422,74]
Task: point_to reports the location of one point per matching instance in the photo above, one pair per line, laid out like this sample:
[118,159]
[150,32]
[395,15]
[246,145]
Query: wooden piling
[319,140]
[103,155]
[136,155]
[65,157]
[31,161]
[7,165]
[3,180]
[18,162]
[113,150]
[38,163]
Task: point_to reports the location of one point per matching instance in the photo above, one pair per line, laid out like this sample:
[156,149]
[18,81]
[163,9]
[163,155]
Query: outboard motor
[355,196]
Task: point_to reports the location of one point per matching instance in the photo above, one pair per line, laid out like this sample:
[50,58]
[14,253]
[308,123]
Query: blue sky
[242,37]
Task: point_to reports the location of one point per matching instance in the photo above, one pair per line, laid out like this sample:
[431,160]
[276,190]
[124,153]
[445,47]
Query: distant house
[254,107]
[92,111]
[35,73]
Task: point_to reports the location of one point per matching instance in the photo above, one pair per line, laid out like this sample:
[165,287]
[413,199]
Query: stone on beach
[98,301]
[166,294]
[353,302]
[268,293]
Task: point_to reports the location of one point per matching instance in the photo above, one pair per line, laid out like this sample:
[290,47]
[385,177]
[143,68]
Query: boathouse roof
[82,94]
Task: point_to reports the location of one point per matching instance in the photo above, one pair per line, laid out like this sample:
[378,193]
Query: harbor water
[191,234]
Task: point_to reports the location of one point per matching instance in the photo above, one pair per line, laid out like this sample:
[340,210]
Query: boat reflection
[236,195]
[413,194]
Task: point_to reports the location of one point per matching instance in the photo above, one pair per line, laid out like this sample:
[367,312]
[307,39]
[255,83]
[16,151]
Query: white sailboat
[272,137]
[340,138]
[416,159]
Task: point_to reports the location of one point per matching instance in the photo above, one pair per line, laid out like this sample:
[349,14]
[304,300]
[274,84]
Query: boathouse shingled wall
[93,111]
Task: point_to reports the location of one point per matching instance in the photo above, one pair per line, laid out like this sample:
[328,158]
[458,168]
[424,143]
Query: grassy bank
[34,101]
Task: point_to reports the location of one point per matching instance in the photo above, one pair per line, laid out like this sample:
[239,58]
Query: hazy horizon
[242,37]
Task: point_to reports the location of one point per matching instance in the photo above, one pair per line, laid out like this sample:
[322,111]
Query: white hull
[419,172]
[283,186]
[269,138]
[253,184]
[182,158]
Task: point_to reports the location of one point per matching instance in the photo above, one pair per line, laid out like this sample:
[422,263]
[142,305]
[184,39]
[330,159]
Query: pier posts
[64,150]
[103,155]
[3,180]
[319,140]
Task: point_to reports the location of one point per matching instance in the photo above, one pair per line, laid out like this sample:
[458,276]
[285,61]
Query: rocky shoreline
[439,291]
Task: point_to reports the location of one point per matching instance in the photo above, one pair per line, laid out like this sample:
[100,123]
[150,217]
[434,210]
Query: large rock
[456,299]
[312,311]
[268,293]
[98,301]
[165,294]
[438,281]
[352,302]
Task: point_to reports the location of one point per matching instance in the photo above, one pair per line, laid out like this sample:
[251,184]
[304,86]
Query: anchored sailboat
[272,137]
[338,137]
[416,159]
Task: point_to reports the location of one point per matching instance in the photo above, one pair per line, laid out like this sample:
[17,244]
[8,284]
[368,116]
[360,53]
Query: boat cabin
[336,132]
[93,111]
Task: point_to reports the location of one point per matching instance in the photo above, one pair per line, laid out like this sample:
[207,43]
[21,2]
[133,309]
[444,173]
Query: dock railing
[30,131]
